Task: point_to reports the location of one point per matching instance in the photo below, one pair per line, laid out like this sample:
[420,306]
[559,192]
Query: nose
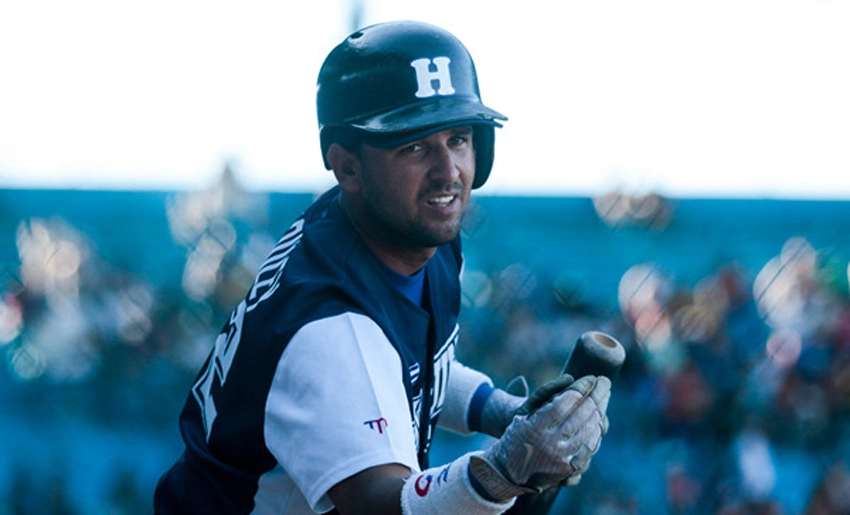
[445,165]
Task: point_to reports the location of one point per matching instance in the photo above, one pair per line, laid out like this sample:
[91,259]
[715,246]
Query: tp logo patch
[378,424]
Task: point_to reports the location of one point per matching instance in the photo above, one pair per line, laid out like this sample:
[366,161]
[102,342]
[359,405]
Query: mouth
[441,200]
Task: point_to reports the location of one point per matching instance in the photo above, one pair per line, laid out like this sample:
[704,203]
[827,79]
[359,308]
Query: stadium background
[735,397]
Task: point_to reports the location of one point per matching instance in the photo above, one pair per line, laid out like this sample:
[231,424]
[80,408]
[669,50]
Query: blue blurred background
[735,397]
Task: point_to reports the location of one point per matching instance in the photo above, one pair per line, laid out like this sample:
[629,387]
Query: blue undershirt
[411,286]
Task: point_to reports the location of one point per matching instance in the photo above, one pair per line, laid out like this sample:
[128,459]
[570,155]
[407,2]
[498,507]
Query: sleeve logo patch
[377,424]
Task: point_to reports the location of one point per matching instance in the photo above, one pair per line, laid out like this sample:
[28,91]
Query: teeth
[442,200]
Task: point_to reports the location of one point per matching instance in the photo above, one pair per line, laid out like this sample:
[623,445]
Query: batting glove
[551,439]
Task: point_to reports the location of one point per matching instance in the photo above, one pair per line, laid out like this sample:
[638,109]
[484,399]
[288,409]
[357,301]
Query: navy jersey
[323,370]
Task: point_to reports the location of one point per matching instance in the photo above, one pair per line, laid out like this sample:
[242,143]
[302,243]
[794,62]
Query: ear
[345,166]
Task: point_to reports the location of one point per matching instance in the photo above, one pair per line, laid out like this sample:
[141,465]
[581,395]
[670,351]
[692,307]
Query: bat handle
[596,353]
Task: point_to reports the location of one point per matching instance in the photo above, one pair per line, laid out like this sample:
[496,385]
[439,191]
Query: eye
[461,137]
[412,148]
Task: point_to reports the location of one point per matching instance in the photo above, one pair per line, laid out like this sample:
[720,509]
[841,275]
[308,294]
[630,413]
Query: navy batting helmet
[396,82]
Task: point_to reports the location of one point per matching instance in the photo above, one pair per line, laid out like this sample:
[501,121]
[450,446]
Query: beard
[415,229]
[416,233]
[431,235]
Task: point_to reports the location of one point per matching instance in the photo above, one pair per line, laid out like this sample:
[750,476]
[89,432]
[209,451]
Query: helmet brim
[413,122]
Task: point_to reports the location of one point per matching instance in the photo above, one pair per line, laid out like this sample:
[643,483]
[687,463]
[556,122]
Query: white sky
[687,98]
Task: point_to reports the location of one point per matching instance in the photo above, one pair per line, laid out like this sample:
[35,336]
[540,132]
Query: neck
[403,264]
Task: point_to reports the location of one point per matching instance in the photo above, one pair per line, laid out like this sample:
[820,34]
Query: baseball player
[323,390]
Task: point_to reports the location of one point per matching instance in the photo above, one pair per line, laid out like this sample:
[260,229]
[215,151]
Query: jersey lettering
[441,373]
[265,284]
[268,278]
[442,361]
[218,366]
[425,77]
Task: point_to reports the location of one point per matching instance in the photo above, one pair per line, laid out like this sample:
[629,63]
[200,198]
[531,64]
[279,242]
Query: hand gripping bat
[595,353]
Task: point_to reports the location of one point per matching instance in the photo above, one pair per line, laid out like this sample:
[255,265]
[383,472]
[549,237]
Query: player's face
[415,195]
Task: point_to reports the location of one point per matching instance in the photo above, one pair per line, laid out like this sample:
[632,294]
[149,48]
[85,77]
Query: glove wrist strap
[492,481]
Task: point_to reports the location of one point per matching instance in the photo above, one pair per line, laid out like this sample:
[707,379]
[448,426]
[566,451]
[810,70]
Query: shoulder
[335,344]
[348,332]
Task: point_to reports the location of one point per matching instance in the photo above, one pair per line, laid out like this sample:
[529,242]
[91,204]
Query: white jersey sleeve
[337,406]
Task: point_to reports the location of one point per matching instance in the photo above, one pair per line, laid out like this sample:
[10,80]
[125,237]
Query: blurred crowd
[734,399]
[735,395]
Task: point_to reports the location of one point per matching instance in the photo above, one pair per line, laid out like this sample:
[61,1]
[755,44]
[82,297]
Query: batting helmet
[395,82]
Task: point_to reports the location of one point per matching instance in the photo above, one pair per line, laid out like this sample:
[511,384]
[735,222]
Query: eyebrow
[462,130]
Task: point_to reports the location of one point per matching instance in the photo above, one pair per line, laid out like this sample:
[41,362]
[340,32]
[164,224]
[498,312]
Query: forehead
[396,140]
[390,159]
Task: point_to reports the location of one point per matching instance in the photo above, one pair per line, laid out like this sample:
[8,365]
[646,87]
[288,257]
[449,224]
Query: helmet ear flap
[348,138]
[326,140]
[484,142]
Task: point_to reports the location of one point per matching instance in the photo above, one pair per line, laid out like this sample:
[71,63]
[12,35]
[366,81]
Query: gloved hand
[544,394]
[541,396]
[503,405]
[551,439]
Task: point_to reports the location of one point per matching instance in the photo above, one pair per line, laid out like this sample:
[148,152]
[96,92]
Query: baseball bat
[595,353]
